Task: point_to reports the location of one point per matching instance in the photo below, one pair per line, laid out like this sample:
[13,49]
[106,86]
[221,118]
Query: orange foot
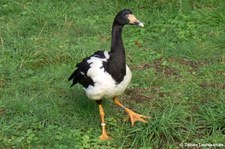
[134,117]
[104,136]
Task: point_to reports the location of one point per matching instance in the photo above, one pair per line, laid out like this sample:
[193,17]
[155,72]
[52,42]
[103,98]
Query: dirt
[2,111]
[2,83]
[140,95]
[158,66]
[206,85]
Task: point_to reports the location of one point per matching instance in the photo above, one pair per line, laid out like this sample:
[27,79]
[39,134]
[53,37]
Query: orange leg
[134,117]
[104,135]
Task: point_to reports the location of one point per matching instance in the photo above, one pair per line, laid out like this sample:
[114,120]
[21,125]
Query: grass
[177,60]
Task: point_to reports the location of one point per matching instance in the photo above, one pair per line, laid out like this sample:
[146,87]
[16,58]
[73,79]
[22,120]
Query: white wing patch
[106,53]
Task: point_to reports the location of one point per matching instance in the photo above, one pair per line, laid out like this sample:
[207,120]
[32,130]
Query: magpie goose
[105,73]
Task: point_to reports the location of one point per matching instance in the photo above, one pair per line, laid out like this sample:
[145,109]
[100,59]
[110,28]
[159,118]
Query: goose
[105,73]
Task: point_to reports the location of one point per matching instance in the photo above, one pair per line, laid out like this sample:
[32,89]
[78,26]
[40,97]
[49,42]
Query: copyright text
[201,145]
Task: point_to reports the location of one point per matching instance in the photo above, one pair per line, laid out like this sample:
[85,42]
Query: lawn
[177,61]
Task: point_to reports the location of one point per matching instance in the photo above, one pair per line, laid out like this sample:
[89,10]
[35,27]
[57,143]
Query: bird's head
[126,16]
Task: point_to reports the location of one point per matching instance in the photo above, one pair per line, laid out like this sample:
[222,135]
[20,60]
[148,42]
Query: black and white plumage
[105,73]
[97,81]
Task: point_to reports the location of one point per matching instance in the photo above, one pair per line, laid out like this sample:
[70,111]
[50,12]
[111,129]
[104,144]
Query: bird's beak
[134,21]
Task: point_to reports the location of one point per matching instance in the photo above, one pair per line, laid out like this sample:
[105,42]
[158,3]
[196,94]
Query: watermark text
[201,145]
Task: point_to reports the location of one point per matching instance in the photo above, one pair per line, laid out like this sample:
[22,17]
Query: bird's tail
[76,76]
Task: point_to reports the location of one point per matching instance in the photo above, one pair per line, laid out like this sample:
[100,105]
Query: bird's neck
[117,48]
[116,65]
[117,42]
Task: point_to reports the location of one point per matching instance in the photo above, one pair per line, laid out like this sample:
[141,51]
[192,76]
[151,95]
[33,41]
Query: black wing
[80,74]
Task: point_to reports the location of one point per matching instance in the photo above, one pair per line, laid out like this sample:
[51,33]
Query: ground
[177,60]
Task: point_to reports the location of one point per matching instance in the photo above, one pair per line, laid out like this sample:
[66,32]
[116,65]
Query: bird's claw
[105,137]
[134,117]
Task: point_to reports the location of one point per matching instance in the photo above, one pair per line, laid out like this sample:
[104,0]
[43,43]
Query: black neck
[117,48]
[117,62]
[117,42]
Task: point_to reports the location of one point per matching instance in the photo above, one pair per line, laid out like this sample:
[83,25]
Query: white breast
[104,84]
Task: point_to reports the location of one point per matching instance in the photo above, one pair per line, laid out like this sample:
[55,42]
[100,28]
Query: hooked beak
[134,21]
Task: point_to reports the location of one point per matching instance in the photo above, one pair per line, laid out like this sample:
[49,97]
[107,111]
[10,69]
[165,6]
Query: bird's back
[80,73]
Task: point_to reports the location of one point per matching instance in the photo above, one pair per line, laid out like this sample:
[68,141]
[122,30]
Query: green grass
[177,60]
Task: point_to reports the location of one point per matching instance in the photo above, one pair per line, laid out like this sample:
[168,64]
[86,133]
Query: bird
[105,74]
